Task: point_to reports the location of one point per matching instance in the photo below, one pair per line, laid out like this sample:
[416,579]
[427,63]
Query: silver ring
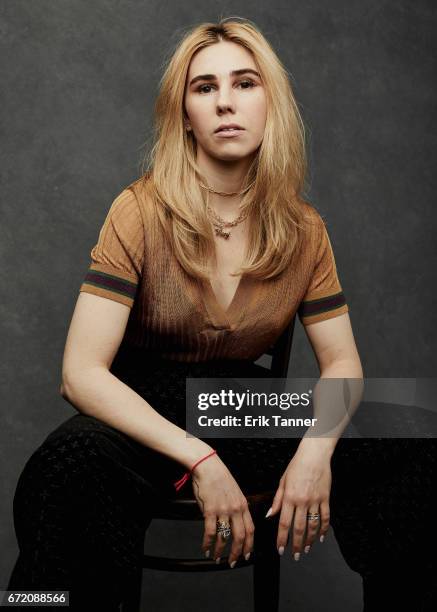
[313,516]
[223,529]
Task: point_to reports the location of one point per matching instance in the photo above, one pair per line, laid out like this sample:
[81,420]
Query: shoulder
[123,224]
[138,195]
[313,228]
[311,215]
[132,208]
[125,203]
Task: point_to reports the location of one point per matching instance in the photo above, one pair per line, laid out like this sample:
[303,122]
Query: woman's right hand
[220,498]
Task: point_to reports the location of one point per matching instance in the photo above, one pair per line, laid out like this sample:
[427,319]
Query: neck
[226,176]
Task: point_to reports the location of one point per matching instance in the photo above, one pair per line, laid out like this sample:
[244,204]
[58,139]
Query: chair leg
[266,567]
[132,602]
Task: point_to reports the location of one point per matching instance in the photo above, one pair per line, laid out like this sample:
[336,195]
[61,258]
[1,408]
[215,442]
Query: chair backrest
[281,351]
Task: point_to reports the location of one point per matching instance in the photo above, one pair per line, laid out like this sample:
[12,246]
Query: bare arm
[95,333]
[96,330]
[337,356]
[306,483]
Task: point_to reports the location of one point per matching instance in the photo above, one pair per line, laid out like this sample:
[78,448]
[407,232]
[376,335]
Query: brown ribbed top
[178,317]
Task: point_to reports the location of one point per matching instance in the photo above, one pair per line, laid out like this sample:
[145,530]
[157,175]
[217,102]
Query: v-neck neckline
[224,318]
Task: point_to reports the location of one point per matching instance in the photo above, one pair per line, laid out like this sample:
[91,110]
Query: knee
[70,450]
[78,428]
[81,435]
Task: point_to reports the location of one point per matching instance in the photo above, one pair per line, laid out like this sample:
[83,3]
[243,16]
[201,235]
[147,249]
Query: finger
[285,520]
[299,527]
[312,527]
[250,532]
[209,533]
[220,542]
[324,519]
[238,537]
[277,502]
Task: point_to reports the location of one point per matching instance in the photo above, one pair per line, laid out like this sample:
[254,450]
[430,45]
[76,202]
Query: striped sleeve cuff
[108,282]
[322,308]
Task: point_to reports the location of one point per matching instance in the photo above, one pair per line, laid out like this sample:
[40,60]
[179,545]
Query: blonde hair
[278,170]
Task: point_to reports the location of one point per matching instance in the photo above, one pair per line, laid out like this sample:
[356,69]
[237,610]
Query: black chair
[265,558]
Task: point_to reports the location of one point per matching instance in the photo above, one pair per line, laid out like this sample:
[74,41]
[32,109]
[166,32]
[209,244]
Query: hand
[304,487]
[220,497]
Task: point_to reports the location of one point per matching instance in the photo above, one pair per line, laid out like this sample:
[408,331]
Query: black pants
[82,507]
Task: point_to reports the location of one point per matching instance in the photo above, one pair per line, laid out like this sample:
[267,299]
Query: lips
[229,134]
[225,127]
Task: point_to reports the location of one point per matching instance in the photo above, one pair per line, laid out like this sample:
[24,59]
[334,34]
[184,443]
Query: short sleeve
[117,258]
[324,298]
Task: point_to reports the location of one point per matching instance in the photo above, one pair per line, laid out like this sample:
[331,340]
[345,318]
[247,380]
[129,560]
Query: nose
[225,100]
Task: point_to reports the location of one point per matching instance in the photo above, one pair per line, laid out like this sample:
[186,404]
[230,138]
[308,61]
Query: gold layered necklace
[219,223]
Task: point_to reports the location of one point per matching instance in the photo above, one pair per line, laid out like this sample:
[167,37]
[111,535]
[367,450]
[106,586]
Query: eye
[199,89]
[248,82]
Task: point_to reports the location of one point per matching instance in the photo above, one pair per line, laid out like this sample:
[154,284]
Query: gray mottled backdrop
[78,81]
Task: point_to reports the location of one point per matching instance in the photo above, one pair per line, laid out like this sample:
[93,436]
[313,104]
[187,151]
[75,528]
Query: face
[221,96]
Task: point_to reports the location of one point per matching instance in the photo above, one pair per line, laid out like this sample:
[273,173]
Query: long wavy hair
[274,202]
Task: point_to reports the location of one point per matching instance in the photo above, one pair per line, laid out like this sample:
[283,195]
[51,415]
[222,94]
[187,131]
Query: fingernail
[247,556]
[207,554]
[322,537]
[233,564]
[307,549]
[281,550]
[218,560]
[268,513]
[296,556]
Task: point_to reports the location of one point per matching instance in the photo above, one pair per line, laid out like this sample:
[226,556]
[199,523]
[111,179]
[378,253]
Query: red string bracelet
[180,483]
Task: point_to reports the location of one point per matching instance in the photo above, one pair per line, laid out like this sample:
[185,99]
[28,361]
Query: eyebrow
[212,77]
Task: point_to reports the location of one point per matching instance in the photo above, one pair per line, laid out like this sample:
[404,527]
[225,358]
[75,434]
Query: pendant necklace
[219,223]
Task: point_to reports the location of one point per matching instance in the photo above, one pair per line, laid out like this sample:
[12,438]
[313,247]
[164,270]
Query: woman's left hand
[304,487]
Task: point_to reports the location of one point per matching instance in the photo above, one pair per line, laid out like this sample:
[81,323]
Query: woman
[200,265]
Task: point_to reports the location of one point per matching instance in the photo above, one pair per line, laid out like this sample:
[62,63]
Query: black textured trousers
[81,509]
[83,503]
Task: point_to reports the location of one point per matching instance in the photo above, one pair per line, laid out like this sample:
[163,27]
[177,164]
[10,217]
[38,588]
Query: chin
[232,154]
